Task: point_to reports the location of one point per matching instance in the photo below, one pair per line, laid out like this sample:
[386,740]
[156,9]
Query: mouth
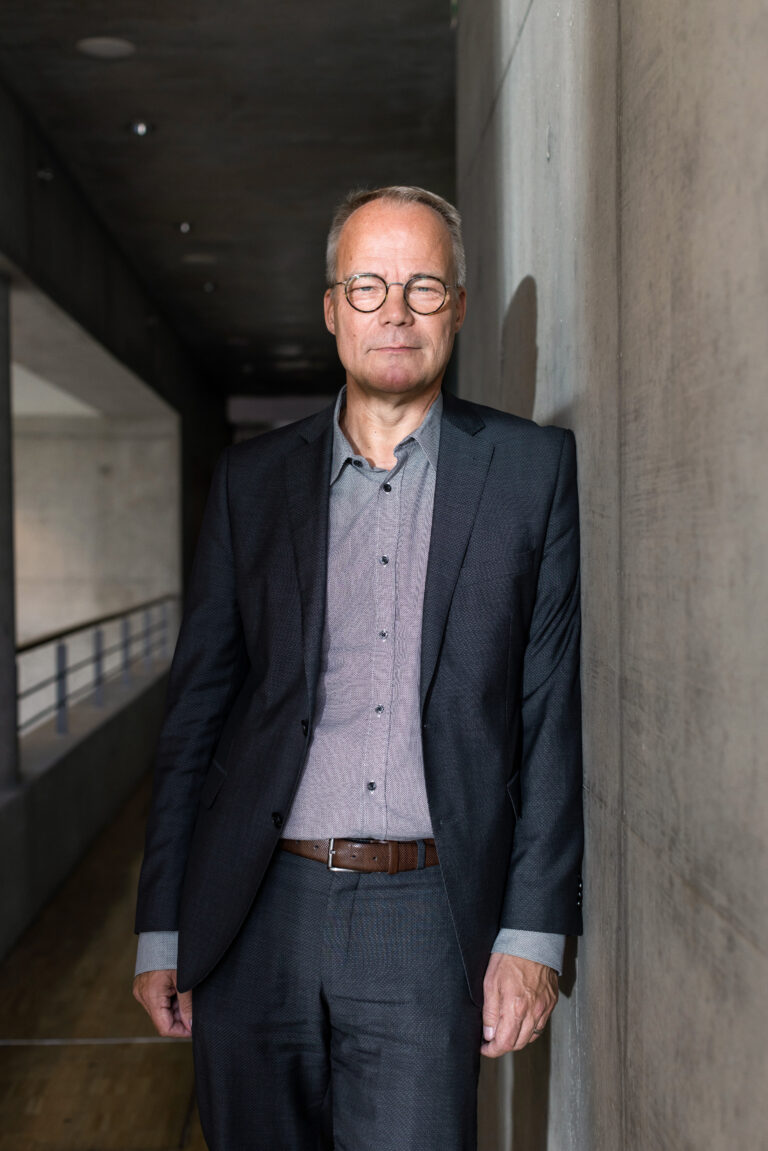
[396,348]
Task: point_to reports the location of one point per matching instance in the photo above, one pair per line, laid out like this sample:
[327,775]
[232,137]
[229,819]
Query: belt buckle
[330,858]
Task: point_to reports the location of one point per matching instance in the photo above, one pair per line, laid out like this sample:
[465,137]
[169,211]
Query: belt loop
[394,857]
[422,858]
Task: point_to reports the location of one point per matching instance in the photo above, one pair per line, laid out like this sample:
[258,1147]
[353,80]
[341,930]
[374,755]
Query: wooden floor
[80,1066]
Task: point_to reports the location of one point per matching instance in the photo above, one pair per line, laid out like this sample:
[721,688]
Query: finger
[184,1001]
[511,1018]
[160,1012]
[537,1028]
[177,1030]
[172,1017]
[156,992]
[526,1034]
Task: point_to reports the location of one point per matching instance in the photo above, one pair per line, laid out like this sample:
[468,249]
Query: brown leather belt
[388,855]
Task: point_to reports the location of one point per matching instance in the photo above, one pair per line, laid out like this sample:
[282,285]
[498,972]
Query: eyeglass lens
[423,294]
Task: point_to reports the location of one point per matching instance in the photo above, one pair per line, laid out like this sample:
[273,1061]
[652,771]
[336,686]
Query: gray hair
[399,194]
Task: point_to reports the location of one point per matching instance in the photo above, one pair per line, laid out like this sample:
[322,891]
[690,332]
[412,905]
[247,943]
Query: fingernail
[488,1033]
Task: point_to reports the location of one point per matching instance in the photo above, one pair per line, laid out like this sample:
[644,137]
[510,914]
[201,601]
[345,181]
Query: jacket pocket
[212,784]
[513,791]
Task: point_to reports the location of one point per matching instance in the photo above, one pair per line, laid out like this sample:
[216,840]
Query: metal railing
[63,667]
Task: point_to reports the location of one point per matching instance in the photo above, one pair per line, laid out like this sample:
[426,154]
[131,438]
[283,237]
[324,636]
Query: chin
[396,384]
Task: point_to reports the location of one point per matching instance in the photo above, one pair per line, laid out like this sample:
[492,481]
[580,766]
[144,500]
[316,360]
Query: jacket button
[277,819]
[305,726]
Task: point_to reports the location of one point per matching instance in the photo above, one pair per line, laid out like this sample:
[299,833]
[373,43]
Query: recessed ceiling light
[141,127]
[106,47]
[45,173]
[288,351]
[198,258]
[185,227]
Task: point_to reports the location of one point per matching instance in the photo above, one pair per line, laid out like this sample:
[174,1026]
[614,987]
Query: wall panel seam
[622,887]
[497,92]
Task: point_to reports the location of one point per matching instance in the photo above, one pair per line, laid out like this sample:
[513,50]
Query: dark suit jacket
[499,684]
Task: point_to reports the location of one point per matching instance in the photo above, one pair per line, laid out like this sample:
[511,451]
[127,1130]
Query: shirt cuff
[157,951]
[540,946]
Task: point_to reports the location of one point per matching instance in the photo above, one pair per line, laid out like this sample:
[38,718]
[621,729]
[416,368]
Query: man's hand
[519,996]
[169,1009]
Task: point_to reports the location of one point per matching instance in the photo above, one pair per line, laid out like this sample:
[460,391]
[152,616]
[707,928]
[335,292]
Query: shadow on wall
[532,1066]
[519,351]
[519,354]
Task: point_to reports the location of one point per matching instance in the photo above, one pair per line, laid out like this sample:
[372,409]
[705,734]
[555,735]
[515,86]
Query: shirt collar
[426,435]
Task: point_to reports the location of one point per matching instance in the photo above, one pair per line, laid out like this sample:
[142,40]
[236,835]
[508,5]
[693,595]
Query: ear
[461,308]
[328,309]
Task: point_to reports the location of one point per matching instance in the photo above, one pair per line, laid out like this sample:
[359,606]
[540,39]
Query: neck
[375,424]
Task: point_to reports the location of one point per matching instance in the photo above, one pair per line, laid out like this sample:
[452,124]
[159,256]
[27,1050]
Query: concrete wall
[71,786]
[8,748]
[614,185]
[96,518]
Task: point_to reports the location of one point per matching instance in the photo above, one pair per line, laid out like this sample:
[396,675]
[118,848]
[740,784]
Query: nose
[394,310]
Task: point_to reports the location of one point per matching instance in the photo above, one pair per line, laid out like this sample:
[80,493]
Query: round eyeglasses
[366,292]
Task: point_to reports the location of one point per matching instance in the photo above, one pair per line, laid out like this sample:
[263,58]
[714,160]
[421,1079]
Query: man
[366,824]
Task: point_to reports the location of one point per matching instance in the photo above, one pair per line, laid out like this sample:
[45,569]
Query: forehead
[385,230]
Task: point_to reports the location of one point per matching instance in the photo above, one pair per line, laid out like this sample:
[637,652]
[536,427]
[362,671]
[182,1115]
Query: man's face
[394,350]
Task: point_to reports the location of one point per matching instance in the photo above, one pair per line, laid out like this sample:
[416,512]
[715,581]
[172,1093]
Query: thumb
[490,1010]
[185,1008]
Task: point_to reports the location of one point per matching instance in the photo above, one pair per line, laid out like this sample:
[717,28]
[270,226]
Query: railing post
[98,667]
[148,636]
[125,624]
[164,630]
[61,689]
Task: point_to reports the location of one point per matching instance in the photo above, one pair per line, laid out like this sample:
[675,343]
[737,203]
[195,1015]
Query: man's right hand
[169,1009]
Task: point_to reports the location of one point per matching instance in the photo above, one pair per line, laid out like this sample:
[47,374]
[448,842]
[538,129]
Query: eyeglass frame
[394,284]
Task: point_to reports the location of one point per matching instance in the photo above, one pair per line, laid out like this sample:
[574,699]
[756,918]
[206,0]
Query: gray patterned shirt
[364,776]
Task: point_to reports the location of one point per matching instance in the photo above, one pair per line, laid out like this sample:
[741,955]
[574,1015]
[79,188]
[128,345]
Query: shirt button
[358,463]
[379,708]
[383,634]
[385,559]
[371,786]
[387,487]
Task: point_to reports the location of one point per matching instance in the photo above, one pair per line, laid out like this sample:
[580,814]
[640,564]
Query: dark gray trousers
[339,1018]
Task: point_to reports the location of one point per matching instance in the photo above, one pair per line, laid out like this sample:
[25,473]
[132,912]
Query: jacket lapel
[307,480]
[462,466]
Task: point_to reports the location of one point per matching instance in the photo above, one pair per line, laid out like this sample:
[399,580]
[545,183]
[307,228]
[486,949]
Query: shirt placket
[382,663]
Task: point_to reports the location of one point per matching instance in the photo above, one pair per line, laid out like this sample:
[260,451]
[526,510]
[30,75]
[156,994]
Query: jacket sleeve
[208,669]
[543,890]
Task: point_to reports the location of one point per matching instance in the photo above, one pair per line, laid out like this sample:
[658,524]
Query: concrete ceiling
[263,116]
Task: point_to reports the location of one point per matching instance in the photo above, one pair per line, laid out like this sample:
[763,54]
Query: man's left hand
[519,996]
